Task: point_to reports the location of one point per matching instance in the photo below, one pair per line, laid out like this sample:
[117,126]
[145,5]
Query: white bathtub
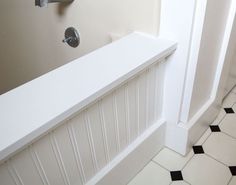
[88,121]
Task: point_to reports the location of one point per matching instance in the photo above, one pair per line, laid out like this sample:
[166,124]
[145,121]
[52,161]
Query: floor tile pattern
[198,149]
[176,175]
[212,160]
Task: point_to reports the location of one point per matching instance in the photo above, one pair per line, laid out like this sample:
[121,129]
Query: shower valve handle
[72,37]
[67,40]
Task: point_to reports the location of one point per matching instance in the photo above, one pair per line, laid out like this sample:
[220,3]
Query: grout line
[233,92]
[160,165]
[170,170]
[206,138]
[220,122]
[230,180]
[233,104]
[172,150]
[176,153]
[216,160]
[187,162]
[232,137]
[187,182]
[140,170]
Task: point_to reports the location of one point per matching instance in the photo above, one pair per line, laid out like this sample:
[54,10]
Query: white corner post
[176,24]
[185,23]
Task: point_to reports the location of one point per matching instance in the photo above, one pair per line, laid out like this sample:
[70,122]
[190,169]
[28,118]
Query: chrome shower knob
[72,37]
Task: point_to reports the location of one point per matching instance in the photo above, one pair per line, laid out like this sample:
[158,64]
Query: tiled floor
[212,160]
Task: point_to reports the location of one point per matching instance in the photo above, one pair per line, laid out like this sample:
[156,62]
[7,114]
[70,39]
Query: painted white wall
[31,37]
[211,42]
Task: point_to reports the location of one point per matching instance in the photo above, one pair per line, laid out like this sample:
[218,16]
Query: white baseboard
[127,164]
[183,136]
[176,138]
[179,137]
[208,114]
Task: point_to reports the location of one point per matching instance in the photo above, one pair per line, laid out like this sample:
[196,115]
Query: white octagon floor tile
[219,118]
[203,170]
[179,183]
[204,137]
[230,100]
[228,125]
[233,181]
[172,160]
[152,174]
[222,148]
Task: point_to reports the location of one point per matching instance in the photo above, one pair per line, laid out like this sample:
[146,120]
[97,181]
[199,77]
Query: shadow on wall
[62,7]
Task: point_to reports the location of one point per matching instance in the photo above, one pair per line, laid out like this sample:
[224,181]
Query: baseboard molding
[127,164]
[183,136]
[196,129]
[176,138]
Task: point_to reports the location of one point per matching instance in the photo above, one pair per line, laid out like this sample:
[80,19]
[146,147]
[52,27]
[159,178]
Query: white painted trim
[176,24]
[180,137]
[32,109]
[188,133]
[223,64]
[193,59]
[208,112]
[125,166]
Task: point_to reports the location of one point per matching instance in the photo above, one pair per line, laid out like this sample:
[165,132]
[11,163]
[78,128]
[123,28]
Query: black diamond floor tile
[233,170]
[229,110]
[176,175]
[215,128]
[198,149]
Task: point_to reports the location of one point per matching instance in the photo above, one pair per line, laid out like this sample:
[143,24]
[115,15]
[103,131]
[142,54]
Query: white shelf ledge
[36,107]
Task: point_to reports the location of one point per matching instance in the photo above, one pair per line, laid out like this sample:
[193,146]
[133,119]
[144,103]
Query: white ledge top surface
[34,108]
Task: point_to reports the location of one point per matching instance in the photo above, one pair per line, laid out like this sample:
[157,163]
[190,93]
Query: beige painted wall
[31,37]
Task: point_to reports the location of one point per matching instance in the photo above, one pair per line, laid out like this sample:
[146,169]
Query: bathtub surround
[94,127]
[140,97]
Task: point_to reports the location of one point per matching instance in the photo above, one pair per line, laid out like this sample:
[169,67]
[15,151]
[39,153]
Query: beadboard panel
[74,152]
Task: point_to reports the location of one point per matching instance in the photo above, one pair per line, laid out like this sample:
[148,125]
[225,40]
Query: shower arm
[43,3]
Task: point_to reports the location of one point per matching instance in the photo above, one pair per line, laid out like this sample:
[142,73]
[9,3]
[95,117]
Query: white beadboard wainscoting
[96,120]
